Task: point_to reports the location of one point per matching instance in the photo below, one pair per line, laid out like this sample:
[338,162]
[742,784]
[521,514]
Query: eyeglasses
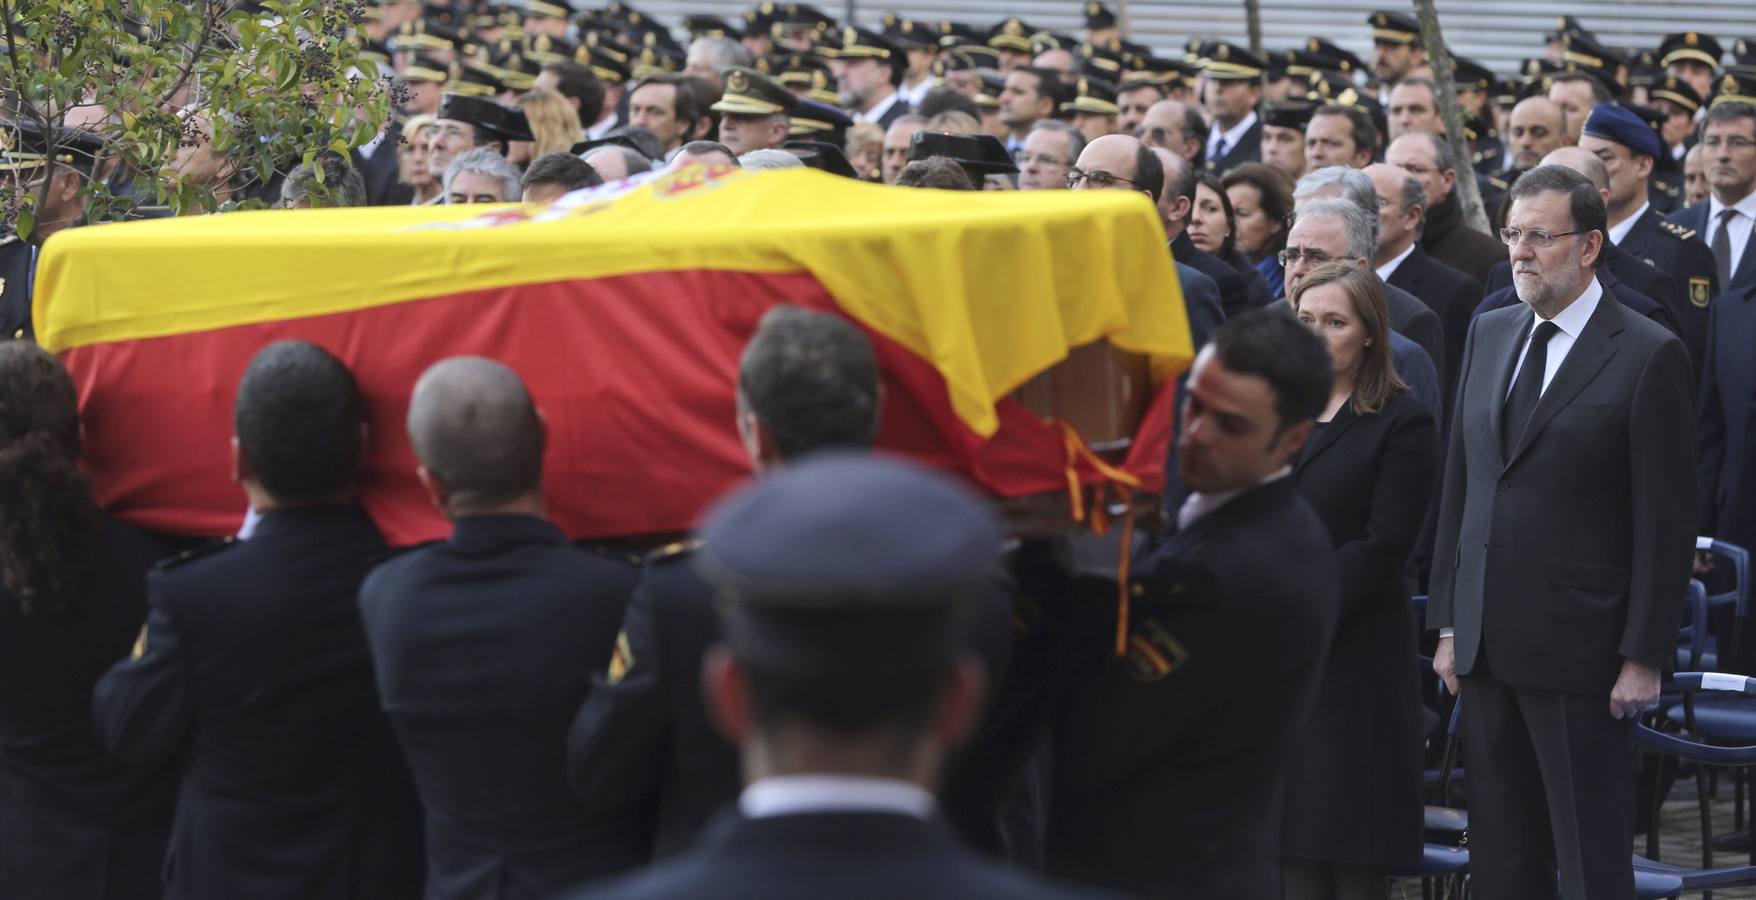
[1292,255]
[1735,142]
[1536,237]
[1025,159]
[1098,178]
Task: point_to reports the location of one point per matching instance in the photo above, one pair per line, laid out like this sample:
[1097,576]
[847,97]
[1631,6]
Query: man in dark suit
[1565,531]
[1175,199]
[24,149]
[252,666]
[1444,236]
[847,584]
[485,644]
[1679,260]
[1401,263]
[1726,220]
[1727,467]
[1180,742]
[643,735]
[1233,77]
[379,163]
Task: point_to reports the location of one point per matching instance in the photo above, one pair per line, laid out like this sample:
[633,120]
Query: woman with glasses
[1353,805]
[75,823]
[1213,227]
[1262,199]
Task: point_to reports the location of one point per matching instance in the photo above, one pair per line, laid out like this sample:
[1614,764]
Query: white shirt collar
[1200,504]
[1233,136]
[785,795]
[601,127]
[1389,268]
[1572,320]
[370,147]
[878,111]
[1620,230]
[1746,206]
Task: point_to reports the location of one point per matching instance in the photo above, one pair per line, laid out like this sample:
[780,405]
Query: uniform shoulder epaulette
[1674,228]
[613,553]
[395,552]
[674,551]
[203,551]
[1499,183]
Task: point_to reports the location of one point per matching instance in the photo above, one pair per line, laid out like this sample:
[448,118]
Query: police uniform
[253,669]
[860,43]
[24,149]
[838,577]
[751,93]
[484,646]
[18,267]
[1222,61]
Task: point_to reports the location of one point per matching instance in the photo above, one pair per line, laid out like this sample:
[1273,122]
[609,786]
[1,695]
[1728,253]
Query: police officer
[252,667]
[484,646]
[754,111]
[49,168]
[1628,146]
[847,584]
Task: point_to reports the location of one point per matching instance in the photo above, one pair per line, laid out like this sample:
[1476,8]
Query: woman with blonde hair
[553,121]
[1353,805]
[411,160]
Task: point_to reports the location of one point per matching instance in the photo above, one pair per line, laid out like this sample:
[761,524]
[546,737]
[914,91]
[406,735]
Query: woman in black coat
[1354,786]
[75,824]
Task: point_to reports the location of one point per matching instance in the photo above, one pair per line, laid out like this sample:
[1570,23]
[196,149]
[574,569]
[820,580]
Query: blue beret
[1614,123]
[841,530]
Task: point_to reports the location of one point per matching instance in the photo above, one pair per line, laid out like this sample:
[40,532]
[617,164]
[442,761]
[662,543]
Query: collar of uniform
[1389,268]
[1620,230]
[785,795]
[878,112]
[476,534]
[1200,504]
[292,518]
[1235,134]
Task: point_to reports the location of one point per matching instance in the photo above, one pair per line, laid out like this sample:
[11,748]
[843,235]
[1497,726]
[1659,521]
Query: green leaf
[27,220]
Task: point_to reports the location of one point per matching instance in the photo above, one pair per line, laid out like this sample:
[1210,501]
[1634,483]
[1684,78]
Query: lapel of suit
[1590,353]
[1326,438]
[1505,356]
[1746,273]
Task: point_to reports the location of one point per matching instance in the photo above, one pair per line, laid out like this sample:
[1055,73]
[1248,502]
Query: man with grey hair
[1049,151]
[1408,316]
[1400,261]
[484,732]
[1445,237]
[770,159]
[342,184]
[1340,230]
[616,162]
[481,175]
[710,56]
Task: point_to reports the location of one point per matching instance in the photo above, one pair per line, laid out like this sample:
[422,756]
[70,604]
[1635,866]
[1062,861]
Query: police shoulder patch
[1698,292]
[200,552]
[1153,652]
[1674,228]
[1499,183]
[674,550]
[621,658]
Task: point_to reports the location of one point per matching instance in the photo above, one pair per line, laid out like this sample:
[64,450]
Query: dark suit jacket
[1447,239]
[643,738]
[1168,783]
[255,669]
[1681,257]
[380,172]
[76,822]
[1247,149]
[484,647]
[1354,786]
[813,856]
[1727,468]
[1695,219]
[18,263]
[1234,291]
[1635,300]
[1450,294]
[1412,319]
[1256,292]
[1573,553]
[1200,302]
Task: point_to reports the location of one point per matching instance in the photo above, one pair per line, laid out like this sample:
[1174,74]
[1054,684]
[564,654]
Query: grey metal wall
[1499,33]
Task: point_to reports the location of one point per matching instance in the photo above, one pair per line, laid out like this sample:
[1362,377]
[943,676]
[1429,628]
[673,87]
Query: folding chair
[1702,755]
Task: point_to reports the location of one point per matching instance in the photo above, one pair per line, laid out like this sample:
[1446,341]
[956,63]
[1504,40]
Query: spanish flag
[625,309]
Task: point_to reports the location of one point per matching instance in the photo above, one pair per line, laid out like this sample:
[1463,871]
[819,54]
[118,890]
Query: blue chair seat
[1445,820]
[1656,885]
[1698,879]
[1731,720]
[1437,861]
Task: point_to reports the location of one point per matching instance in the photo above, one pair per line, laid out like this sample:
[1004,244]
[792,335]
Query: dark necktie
[1527,390]
[1722,246]
[1219,150]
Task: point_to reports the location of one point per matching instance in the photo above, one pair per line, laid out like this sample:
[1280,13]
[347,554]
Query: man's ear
[960,704]
[727,692]
[1180,209]
[240,469]
[436,489]
[1450,177]
[67,183]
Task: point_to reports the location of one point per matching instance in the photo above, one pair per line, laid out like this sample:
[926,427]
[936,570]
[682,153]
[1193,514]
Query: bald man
[1640,287]
[1538,127]
[1172,125]
[486,644]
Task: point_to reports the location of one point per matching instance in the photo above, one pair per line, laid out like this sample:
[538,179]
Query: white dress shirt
[786,795]
[878,112]
[1620,230]
[1389,268]
[914,95]
[1199,504]
[1740,225]
[601,127]
[1231,137]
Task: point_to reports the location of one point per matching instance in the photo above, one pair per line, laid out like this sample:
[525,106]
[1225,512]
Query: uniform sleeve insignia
[1698,292]
[1152,652]
[139,644]
[1678,230]
[1498,183]
[621,658]
[669,551]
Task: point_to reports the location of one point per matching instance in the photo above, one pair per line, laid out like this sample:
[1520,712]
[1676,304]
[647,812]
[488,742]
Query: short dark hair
[944,99]
[1137,84]
[1599,92]
[940,172]
[1182,177]
[298,420]
[686,103]
[475,428]
[1362,131]
[811,379]
[1273,345]
[701,148]
[1726,112]
[1149,173]
[563,169]
[1049,83]
[1585,205]
[577,82]
[846,703]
